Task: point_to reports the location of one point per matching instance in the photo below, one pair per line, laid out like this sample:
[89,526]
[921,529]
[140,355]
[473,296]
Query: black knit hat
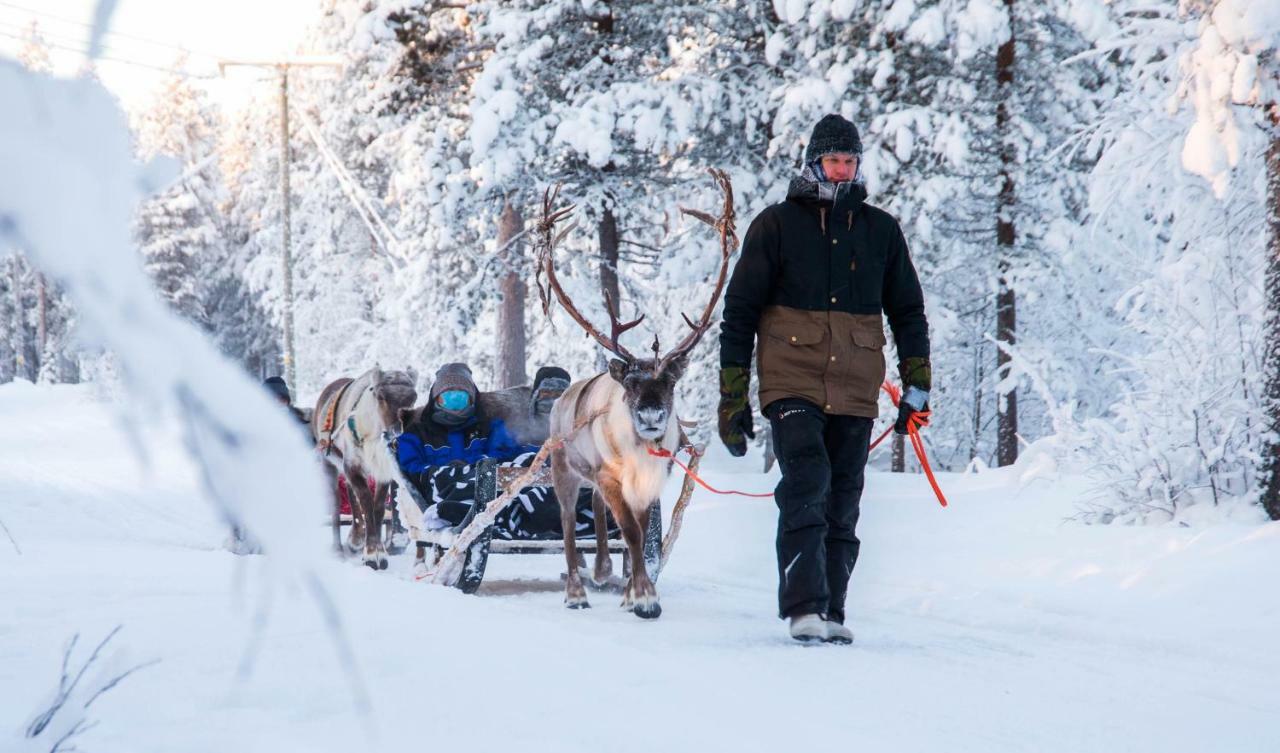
[832,134]
[550,372]
[276,386]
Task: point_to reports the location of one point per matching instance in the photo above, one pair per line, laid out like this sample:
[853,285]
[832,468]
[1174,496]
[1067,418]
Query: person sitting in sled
[460,426]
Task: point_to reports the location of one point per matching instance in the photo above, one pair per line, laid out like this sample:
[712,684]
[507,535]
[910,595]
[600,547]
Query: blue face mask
[453,400]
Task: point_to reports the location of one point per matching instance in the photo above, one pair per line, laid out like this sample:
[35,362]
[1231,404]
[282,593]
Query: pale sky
[150,33]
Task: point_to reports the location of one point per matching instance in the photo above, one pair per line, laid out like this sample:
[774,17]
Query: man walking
[816,273]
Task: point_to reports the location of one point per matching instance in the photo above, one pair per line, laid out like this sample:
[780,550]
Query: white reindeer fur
[642,475]
[374,456]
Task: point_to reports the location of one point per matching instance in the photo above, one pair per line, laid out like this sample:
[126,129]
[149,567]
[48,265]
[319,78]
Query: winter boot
[809,628]
[838,633]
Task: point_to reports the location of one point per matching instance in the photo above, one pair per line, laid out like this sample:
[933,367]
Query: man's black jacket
[808,260]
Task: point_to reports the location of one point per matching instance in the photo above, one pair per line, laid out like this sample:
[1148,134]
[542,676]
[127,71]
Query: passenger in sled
[459,426]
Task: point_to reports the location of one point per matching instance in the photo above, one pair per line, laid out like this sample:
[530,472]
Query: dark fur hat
[276,386]
[550,372]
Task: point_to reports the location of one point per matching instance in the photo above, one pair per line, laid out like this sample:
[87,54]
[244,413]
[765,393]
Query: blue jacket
[422,447]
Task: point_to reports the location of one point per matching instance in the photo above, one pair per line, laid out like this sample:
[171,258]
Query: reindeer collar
[351,426]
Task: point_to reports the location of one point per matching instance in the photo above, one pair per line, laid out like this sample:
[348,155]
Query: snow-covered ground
[992,625]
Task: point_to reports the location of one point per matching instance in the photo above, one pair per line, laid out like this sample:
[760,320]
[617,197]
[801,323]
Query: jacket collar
[836,198]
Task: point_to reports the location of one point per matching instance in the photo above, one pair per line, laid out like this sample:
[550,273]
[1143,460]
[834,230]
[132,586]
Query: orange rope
[918,419]
[664,453]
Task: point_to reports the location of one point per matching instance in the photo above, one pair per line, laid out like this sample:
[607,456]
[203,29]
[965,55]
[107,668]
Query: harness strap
[351,416]
[577,404]
[332,408]
[326,426]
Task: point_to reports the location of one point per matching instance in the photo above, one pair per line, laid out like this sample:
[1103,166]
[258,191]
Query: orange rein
[918,419]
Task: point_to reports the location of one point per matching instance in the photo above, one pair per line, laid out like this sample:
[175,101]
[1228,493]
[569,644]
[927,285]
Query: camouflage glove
[916,377]
[915,372]
[735,409]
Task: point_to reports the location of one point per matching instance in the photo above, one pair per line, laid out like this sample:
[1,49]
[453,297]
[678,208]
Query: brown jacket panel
[833,359]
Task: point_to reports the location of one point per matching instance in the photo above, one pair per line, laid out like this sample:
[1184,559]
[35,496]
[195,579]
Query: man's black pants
[822,458]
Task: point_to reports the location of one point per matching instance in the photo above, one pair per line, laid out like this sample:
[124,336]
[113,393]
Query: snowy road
[988,626]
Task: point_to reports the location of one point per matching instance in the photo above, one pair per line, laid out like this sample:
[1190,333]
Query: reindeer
[622,425]
[356,423]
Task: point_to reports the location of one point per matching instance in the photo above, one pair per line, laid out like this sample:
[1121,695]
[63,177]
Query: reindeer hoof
[576,598]
[600,578]
[382,564]
[372,564]
[648,612]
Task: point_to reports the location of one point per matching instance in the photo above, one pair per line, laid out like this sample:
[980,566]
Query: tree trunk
[42,318]
[609,259]
[1271,364]
[1006,302]
[286,253]
[18,335]
[511,333]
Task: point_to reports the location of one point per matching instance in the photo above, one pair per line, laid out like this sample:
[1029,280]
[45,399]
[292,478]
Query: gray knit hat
[832,134]
[454,376]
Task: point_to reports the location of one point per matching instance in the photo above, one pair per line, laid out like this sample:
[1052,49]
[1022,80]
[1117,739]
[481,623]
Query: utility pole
[286,255]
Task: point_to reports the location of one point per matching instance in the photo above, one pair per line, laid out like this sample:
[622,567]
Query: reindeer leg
[331,474]
[604,563]
[639,595]
[358,492]
[644,595]
[567,483]
[375,527]
[356,536]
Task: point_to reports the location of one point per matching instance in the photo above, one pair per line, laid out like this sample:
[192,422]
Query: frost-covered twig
[682,502]
[16,548]
[63,719]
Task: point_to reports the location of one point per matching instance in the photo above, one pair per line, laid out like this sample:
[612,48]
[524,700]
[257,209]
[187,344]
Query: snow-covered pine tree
[921,81]
[20,289]
[34,52]
[186,235]
[625,104]
[175,230]
[60,354]
[171,234]
[25,307]
[1188,420]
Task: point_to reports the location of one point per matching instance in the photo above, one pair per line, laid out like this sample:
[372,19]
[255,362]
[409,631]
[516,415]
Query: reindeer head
[648,383]
[396,394]
[649,390]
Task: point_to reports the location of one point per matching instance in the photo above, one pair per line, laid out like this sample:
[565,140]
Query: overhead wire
[355,192]
[109,32]
[53,38]
[112,58]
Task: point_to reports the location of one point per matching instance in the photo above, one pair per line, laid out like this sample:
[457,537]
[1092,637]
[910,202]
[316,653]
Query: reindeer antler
[547,241]
[724,224]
